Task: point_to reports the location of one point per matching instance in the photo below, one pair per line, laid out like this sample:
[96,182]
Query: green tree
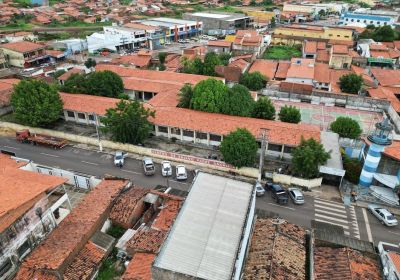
[264,109]
[36,103]
[185,96]
[322,13]
[273,22]
[90,63]
[290,114]
[307,158]
[353,169]
[58,73]
[351,83]
[224,58]
[210,61]
[209,96]
[128,122]
[238,102]
[161,57]
[384,34]
[76,83]
[239,148]
[346,127]
[194,66]
[253,81]
[104,83]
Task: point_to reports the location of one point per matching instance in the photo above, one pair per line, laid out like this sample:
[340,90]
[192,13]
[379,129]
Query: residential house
[386,77]
[68,74]
[28,213]
[310,49]
[24,54]
[141,59]
[6,89]
[248,42]
[301,71]
[266,67]
[340,57]
[219,46]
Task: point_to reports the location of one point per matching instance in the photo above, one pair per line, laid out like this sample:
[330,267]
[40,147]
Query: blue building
[359,19]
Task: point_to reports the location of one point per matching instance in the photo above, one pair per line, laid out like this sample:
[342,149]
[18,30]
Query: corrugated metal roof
[204,239]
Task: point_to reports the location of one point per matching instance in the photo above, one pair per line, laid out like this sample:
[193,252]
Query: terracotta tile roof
[340,49]
[279,133]
[166,98]
[173,62]
[240,63]
[55,53]
[27,188]
[378,47]
[167,195]
[387,93]
[138,60]
[322,73]
[85,263]
[363,267]
[88,103]
[219,43]
[310,47]
[321,46]
[393,151]
[70,72]
[22,47]
[139,268]
[379,54]
[147,85]
[368,81]
[386,77]
[323,56]
[276,252]
[396,44]
[167,215]
[281,72]
[265,67]
[301,68]
[128,207]
[137,25]
[146,240]
[80,225]
[6,89]
[335,77]
[395,259]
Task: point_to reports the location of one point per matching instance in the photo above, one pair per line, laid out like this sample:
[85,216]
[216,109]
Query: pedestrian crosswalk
[337,214]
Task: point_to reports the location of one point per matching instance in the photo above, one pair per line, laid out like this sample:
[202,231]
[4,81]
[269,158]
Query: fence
[290,180]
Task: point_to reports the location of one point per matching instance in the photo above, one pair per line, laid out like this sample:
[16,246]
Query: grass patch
[20,25]
[108,269]
[78,24]
[116,231]
[282,52]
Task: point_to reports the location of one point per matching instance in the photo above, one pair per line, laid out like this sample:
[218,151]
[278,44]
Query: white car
[260,191]
[166,168]
[119,158]
[181,173]
[296,195]
[383,215]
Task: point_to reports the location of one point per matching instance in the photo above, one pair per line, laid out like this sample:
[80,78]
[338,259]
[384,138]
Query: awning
[388,180]
[380,60]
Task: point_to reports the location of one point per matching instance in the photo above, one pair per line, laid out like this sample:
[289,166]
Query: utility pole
[97,131]
[264,139]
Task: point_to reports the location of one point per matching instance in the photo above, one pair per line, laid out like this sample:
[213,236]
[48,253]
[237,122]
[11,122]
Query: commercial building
[221,23]
[155,34]
[362,18]
[115,38]
[196,243]
[24,54]
[71,46]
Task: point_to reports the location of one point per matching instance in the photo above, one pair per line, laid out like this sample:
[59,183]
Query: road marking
[282,206]
[332,223]
[330,213]
[369,234]
[331,209]
[49,155]
[394,232]
[330,201]
[87,162]
[12,147]
[179,182]
[129,171]
[332,204]
[331,218]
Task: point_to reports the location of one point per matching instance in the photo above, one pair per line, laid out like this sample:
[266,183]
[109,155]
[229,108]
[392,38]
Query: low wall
[187,159]
[290,180]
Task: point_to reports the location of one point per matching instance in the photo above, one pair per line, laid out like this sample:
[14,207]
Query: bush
[264,109]
[346,127]
[290,114]
[253,81]
[353,169]
[351,83]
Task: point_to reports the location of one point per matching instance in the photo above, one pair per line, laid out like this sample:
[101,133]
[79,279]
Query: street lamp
[97,131]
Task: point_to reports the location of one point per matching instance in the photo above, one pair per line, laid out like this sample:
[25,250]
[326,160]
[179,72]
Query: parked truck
[25,136]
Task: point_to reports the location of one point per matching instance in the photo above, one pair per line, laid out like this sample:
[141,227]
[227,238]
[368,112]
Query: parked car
[296,195]
[383,215]
[148,166]
[268,186]
[181,173]
[259,189]
[119,158]
[166,168]
[279,194]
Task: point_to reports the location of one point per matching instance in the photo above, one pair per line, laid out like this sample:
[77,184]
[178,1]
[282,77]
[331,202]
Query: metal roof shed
[211,233]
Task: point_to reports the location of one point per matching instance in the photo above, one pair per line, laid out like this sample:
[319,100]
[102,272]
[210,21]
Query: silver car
[296,195]
[181,173]
[260,191]
[148,166]
[119,158]
[166,168]
[383,215]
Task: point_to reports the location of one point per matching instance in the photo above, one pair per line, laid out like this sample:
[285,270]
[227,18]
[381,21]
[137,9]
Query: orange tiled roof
[304,69]
[88,103]
[393,151]
[27,188]
[395,259]
[69,73]
[138,60]
[240,63]
[80,225]
[386,77]
[283,67]
[219,43]
[167,215]
[22,47]
[323,56]
[322,73]
[387,93]
[137,25]
[310,47]
[335,78]
[147,85]
[6,89]
[265,67]
[139,268]
[340,49]
[146,240]
[321,46]
[379,54]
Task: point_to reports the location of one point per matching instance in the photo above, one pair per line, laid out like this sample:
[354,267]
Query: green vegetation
[108,269]
[128,122]
[185,96]
[58,73]
[20,25]
[282,52]
[90,63]
[36,103]
[239,148]
[353,168]
[54,36]
[289,114]
[253,81]
[351,83]
[264,109]
[209,96]
[380,34]
[238,102]
[346,127]
[196,66]
[102,83]
[76,23]
[307,158]
[116,231]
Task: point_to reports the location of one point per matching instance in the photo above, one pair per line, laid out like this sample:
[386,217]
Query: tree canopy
[346,127]
[90,62]
[209,96]
[239,148]
[36,103]
[196,66]
[102,83]
[161,57]
[380,34]
[351,83]
[238,102]
[128,122]
[253,81]
[185,96]
[307,158]
[290,114]
[263,109]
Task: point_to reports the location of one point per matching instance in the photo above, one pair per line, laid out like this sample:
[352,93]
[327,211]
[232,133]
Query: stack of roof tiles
[167,215]
[58,251]
[146,240]
[140,267]
[128,207]
[276,252]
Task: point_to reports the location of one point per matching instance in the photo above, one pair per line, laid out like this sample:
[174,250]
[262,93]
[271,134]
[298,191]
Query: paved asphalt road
[356,221]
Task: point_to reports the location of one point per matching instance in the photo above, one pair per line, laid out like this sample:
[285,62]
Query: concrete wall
[290,180]
[14,58]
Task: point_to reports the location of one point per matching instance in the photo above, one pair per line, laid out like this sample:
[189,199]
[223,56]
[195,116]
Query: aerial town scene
[199,139]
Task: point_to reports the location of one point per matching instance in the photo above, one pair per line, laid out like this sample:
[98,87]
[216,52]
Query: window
[358,20]
[5,267]
[92,118]
[274,147]
[23,249]
[201,135]
[378,22]
[176,131]
[71,114]
[188,133]
[81,116]
[163,129]
[214,137]
[288,150]
[337,35]
[352,20]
